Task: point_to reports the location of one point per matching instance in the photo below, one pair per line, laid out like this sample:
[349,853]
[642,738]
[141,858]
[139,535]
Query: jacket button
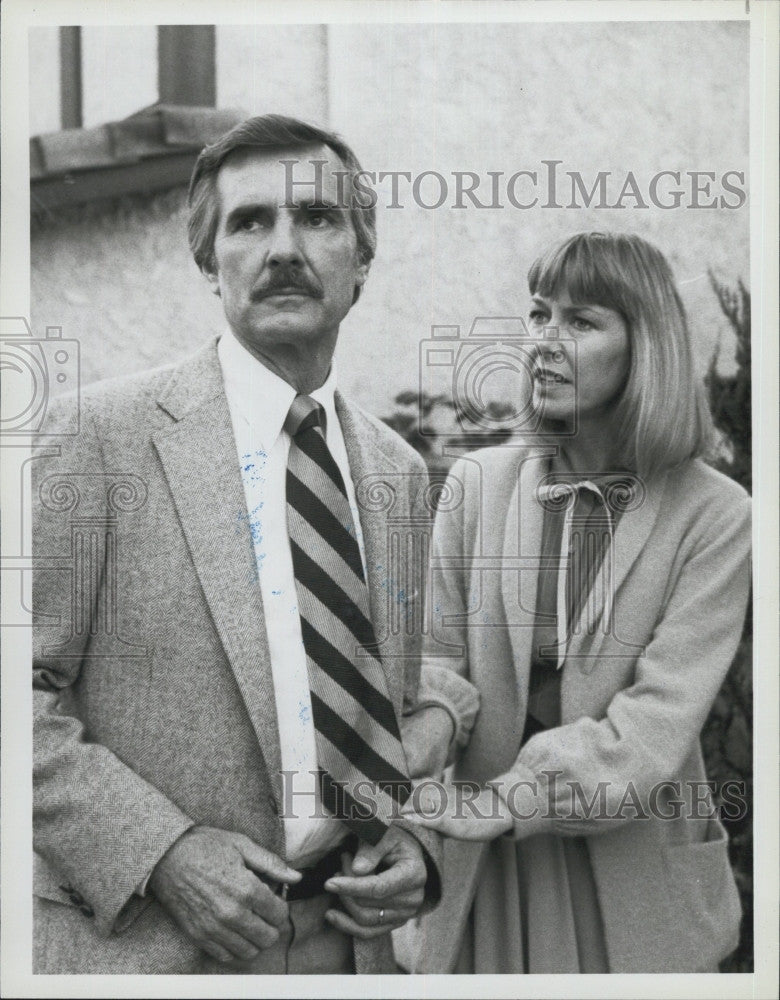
[87,910]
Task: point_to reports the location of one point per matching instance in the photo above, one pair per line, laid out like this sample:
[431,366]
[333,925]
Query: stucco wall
[614,97]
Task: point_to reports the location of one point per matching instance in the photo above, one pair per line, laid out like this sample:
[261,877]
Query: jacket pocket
[703,887]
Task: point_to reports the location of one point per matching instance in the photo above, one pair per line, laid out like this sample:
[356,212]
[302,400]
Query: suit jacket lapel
[198,455]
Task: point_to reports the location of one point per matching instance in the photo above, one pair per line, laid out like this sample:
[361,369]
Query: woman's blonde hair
[661,418]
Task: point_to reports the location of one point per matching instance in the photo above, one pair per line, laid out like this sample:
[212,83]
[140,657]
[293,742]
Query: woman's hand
[462,810]
[427,736]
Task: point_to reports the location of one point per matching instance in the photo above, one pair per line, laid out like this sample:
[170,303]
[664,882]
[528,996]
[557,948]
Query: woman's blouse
[567,581]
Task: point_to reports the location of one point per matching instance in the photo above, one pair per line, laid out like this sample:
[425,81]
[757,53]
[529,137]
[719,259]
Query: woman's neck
[591,449]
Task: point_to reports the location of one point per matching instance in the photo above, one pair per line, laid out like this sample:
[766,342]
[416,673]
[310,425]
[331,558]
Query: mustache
[286,278]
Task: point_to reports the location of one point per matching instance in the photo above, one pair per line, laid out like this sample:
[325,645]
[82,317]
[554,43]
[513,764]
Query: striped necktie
[362,766]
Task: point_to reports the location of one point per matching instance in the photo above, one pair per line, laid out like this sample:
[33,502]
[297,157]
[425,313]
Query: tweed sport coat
[632,711]
[153,697]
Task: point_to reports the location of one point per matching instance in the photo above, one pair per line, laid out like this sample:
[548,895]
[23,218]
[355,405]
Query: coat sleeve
[651,727]
[443,683]
[443,688]
[97,823]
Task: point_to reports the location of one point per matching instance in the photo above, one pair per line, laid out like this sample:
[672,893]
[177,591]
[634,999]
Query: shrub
[727,734]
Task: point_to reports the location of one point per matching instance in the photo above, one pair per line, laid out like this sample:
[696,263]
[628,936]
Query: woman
[605,584]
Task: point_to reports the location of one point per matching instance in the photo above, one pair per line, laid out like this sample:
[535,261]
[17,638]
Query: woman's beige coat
[633,701]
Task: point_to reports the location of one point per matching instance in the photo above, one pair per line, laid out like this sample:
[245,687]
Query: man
[218,769]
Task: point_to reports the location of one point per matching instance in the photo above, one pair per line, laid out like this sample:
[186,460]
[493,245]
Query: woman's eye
[248,225]
[580,323]
[537,316]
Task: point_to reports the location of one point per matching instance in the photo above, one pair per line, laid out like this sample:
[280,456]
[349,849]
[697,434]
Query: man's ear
[211,277]
[362,273]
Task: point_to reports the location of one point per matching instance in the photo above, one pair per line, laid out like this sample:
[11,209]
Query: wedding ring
[381,916]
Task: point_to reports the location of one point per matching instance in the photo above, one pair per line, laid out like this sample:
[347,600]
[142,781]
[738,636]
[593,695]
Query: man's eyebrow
[317,204]
[248,208]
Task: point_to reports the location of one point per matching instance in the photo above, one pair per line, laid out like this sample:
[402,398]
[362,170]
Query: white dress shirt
[259,402]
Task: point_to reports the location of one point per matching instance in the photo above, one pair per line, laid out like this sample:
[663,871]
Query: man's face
[286,275]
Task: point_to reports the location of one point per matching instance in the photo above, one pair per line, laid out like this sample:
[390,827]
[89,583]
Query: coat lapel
[521,550]
[631,535]
[198,454]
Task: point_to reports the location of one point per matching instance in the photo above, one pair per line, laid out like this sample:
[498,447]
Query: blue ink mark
[251,470]
[254,523]
[303,714]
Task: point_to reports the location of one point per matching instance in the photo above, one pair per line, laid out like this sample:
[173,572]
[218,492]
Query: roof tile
[153,131]
[76,149]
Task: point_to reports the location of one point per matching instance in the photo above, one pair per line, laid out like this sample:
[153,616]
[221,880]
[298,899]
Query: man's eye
[537,316]
[248,225]
[317,220]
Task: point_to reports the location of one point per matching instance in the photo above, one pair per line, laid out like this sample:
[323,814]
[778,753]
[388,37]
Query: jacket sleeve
[651,727]
[97,823]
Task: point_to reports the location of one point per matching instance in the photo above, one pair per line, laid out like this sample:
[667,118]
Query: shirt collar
[263,398]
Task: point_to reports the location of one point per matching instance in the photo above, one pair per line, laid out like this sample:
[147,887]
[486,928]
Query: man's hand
[378,903]
[207,883]
[426,735]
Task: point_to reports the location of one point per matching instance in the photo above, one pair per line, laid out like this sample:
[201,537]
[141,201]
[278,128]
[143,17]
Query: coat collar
[522,549]
[194,382]
[631,535]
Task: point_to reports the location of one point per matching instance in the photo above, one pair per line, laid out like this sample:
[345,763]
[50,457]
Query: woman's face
[584,365]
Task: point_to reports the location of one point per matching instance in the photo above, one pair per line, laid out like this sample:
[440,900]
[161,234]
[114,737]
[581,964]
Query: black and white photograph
[389,485]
